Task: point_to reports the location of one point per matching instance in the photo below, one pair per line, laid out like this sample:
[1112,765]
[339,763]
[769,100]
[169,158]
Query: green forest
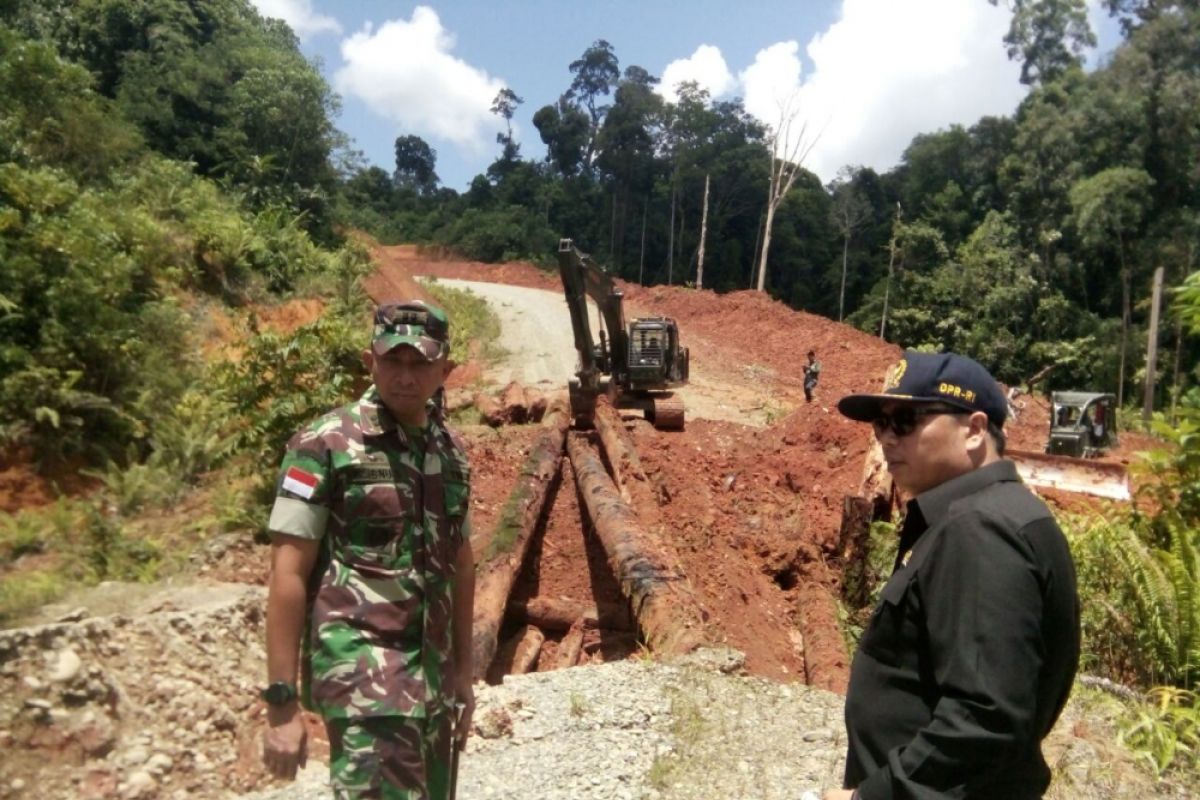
[1028,241]
[162,157]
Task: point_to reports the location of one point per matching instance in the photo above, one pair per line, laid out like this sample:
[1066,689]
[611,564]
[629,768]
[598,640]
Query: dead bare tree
[703,234]
[849,212]
[788,148]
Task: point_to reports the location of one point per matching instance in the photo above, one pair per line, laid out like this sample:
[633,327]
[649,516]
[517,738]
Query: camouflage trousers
[389,758]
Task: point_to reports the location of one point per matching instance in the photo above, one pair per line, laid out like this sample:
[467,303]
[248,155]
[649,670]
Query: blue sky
[861,77]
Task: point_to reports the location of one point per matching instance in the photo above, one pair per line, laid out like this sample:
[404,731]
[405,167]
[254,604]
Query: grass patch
[509,526]
[21,592]
[471,318]
[688,726]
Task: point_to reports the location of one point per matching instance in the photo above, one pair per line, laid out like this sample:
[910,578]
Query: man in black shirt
[969,658]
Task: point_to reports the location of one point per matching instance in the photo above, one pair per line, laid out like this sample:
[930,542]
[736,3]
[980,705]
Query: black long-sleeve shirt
[969,658]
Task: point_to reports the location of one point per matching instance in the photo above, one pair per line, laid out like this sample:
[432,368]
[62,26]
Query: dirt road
[540,351]
[535,333]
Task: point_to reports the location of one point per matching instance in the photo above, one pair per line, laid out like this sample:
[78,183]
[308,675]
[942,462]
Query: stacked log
[552,614]
[512,404]
[518,655]
[571,646]
[499,559]
[516,405]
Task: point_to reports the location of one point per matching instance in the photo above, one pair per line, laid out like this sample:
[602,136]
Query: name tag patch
[366,473]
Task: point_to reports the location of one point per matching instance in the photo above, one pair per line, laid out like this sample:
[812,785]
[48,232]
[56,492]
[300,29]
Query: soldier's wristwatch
[279,693]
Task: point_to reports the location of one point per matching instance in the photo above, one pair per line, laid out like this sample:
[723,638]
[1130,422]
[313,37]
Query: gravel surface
[638,729]
[161,704]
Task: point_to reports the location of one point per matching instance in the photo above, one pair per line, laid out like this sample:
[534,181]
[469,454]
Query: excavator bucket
[1083,475]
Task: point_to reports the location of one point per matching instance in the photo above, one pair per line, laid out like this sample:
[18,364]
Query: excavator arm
[582,278]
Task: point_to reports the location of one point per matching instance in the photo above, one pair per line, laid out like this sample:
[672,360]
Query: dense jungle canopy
[155,151]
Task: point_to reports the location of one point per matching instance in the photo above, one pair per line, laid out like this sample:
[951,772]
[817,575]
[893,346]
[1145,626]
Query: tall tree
[505,105]
[1048,37]
[788,147]
[625,148]
[1109,208]
[849,213]
[415,163]
[564,130]
[596,73]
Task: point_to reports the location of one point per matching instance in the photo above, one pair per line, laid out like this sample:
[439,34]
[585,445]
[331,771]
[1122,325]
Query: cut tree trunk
[826,665]
[490,410]
[663,602]
[535,401]
[571,646]
[512,400]
[518,655]
[551,614]
[635,485]
[499,559]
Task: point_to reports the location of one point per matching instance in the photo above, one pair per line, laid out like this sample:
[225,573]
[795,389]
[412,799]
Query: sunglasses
[904,420]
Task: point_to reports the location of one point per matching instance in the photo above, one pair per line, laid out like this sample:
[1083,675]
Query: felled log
[631,479]
[536,402]
[512,403]
[499,558]
[518,655]
[571,645]
[826,664]
[490,410]
[663,602]
[551,614]
[853,545]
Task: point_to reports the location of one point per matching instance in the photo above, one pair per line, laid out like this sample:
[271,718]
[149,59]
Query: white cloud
[884,72]
[405,73]
[298,14]
[706,67]
[770,84]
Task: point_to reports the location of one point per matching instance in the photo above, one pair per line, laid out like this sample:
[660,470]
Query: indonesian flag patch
[297,481]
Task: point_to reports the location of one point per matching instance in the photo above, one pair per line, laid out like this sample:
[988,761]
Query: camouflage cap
[415,323]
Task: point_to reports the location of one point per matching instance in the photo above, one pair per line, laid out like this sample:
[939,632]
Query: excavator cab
[655,359]
[1082,424]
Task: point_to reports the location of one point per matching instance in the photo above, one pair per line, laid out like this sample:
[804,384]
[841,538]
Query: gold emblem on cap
[895,374]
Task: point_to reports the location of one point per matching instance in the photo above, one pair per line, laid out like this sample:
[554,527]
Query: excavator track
[667,413]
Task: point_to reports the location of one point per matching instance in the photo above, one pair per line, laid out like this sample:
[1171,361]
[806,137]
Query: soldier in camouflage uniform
[372,577]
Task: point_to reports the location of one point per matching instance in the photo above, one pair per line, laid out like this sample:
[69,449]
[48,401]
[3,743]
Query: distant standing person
[372,577]
[812,373]
[970,655]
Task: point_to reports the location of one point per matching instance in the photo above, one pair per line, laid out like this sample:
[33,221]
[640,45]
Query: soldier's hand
[464,696]
[839,794]
[285,742]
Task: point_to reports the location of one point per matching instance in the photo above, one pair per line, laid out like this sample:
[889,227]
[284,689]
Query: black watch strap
[279,693]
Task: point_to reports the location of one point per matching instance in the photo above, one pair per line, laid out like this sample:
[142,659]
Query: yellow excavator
[635,365]
[1083,426]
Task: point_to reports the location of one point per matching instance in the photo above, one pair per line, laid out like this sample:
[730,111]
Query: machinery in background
[635,365]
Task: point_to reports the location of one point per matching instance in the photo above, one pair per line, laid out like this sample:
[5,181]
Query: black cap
[933,378]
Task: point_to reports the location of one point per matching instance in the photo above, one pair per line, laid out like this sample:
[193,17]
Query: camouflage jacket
[378,639]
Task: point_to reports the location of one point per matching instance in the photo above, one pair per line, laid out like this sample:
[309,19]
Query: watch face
[278,693]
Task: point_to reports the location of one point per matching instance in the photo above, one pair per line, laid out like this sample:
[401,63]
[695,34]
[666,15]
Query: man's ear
[977,430]
[368,359]
[448,367]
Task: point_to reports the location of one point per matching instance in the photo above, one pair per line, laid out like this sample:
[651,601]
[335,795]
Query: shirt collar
[936,502]
[376,420]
